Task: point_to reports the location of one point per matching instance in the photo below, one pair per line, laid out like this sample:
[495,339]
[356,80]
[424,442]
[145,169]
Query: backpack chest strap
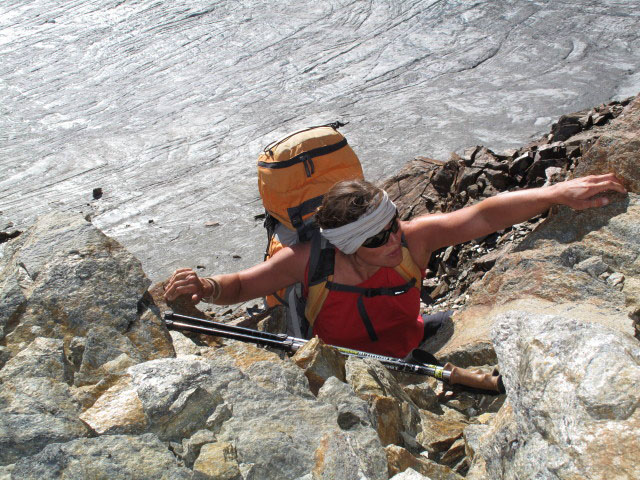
[372,292]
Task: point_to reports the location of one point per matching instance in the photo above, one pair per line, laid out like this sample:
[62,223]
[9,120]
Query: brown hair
[347,201]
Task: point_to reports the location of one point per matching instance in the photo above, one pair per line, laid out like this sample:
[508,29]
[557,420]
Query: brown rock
[455,453]
[411,188]
[486,159]
[438,432]
[444,177]
[319,362]
[387,416]
[536,278]
[422,395]
[217,460]
[246,354]
[567,126]
[618,149]
[400,459]
[119,410]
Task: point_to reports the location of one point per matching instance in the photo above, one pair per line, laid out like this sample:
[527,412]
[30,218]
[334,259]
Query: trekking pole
[209,327]
[449,373]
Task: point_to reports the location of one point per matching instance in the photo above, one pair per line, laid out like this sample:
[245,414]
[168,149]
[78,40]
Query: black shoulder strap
[321,259]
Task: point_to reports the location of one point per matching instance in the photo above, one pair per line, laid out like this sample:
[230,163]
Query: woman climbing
[363,286]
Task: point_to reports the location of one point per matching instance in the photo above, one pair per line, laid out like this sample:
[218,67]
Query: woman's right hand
[185,281]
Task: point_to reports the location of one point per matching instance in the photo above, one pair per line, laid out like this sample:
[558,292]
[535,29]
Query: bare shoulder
[418,233]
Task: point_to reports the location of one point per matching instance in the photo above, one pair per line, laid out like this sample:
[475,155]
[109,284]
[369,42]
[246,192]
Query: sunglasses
[381,238]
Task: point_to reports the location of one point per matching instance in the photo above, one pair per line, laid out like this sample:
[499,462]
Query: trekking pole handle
[482,381]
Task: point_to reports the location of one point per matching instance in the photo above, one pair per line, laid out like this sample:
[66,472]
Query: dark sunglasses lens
[377,240]
[381,238]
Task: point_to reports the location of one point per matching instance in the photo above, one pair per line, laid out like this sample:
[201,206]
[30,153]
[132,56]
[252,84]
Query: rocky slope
[92,385]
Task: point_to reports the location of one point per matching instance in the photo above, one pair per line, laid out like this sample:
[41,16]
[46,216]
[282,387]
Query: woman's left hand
[579,192]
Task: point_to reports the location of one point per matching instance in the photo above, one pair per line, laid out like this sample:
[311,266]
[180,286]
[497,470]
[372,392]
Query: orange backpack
[294,173]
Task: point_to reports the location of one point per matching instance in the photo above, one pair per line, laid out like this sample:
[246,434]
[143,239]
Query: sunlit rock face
[165,105]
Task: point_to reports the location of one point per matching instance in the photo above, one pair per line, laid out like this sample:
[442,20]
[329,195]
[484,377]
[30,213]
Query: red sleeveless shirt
[395,319]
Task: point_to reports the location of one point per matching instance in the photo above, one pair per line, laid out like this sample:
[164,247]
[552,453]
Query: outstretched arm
[430,232]
[285,268]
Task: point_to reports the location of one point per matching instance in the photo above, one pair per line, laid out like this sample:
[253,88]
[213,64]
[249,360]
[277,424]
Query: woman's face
[387,255]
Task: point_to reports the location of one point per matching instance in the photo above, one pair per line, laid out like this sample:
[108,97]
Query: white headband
[348,238]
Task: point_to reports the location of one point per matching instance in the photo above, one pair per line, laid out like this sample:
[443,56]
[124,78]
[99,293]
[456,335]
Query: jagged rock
[319,362]
[217,460]
[555,150]
[616,279]
[444,177]
[422,395]
[498,180]
[118,411]
[554,175]
[438,432]
[44,357]
[409,474]
[63,278]
[538,169]
[467,177]
[183,345]
[594,266]
[521,164]
[339,456]
[277,433]
[617,149]
[392,409]
[352,410]
[110,456]
[244,355]
[567,126]
[411,189]
[190,447]
[462,402]
[573,400]
[474,437]
[279,375]
[85,353]
[34,412]
[401,459]
[387,415]
[486,159]
[171,397]
[268,414]
[455,453]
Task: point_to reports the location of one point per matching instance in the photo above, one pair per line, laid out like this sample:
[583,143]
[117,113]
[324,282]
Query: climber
[363,280]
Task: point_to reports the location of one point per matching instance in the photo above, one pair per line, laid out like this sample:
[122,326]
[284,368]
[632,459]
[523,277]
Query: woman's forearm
[510,208]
